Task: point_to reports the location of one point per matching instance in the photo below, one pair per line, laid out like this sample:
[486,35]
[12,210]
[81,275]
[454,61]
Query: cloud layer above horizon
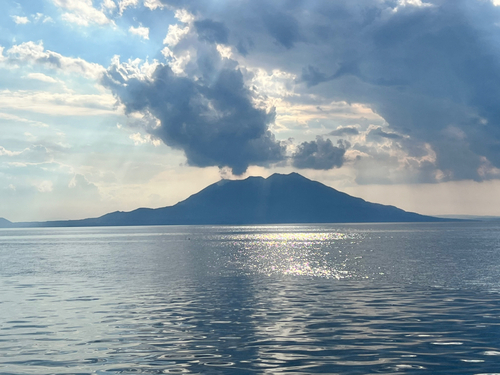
[369,91]
[428,69]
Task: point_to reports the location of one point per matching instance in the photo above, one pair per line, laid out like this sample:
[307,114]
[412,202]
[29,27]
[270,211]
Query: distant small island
[278,199]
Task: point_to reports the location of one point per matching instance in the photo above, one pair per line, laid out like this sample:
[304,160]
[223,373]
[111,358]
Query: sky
[110,105]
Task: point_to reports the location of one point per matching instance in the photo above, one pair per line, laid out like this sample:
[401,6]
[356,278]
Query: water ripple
[214,304]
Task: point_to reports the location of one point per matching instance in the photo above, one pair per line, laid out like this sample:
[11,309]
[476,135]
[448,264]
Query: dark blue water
[335,299]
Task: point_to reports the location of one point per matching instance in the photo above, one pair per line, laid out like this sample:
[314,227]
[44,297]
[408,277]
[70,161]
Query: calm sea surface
[335,299]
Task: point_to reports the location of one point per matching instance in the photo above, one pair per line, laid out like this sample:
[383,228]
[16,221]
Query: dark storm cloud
[214,123]
[378,132]
[431,68]
[343,131]
[312,76]
[424,67]
[283,27]
[244,45]
[319,154]
[211,31]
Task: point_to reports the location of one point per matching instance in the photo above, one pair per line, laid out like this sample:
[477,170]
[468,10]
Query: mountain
[278,199]
[4,223]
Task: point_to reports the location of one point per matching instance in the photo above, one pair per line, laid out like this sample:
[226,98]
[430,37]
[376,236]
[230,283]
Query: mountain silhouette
[278,199]
[4,223]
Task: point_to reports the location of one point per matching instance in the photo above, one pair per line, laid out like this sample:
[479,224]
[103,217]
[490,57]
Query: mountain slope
[279,199]
[4,223]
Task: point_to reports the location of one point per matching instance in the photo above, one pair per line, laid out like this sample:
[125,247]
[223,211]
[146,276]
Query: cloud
[378,132]
[312,76]
[153,4]
[320,154]
[79,182]
[124,4]
[140,139]
[412,3]
[211,31]
[41,77]
[20,20]
[57,104]
[343,131]
[40,17]
[212,119]
[427,72]
[108,5]
[48,191]
[45,186]
[5,152]
[282,26]
[34,53]
[141,31]
[32,155]
[389,163]
[422,66]
[11,117]
[175,34]
[82,12]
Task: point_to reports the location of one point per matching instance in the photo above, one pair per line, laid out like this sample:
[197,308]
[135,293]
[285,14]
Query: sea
[296,299]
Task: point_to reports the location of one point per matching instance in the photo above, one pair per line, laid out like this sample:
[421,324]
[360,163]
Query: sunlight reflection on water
[295,253]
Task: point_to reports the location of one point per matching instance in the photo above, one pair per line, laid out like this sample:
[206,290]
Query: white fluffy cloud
[82,12]
[141,31]
[35,53]
[153,4]
[108,5]
[5,152]
[140,139]
[124,4]
[20,20]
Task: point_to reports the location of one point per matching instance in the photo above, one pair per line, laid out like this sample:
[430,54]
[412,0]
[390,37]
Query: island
[278,199]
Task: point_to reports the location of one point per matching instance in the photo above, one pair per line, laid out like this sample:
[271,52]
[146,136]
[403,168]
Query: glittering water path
[351,299]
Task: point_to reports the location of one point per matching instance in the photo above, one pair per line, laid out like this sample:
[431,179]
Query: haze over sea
[346,299]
